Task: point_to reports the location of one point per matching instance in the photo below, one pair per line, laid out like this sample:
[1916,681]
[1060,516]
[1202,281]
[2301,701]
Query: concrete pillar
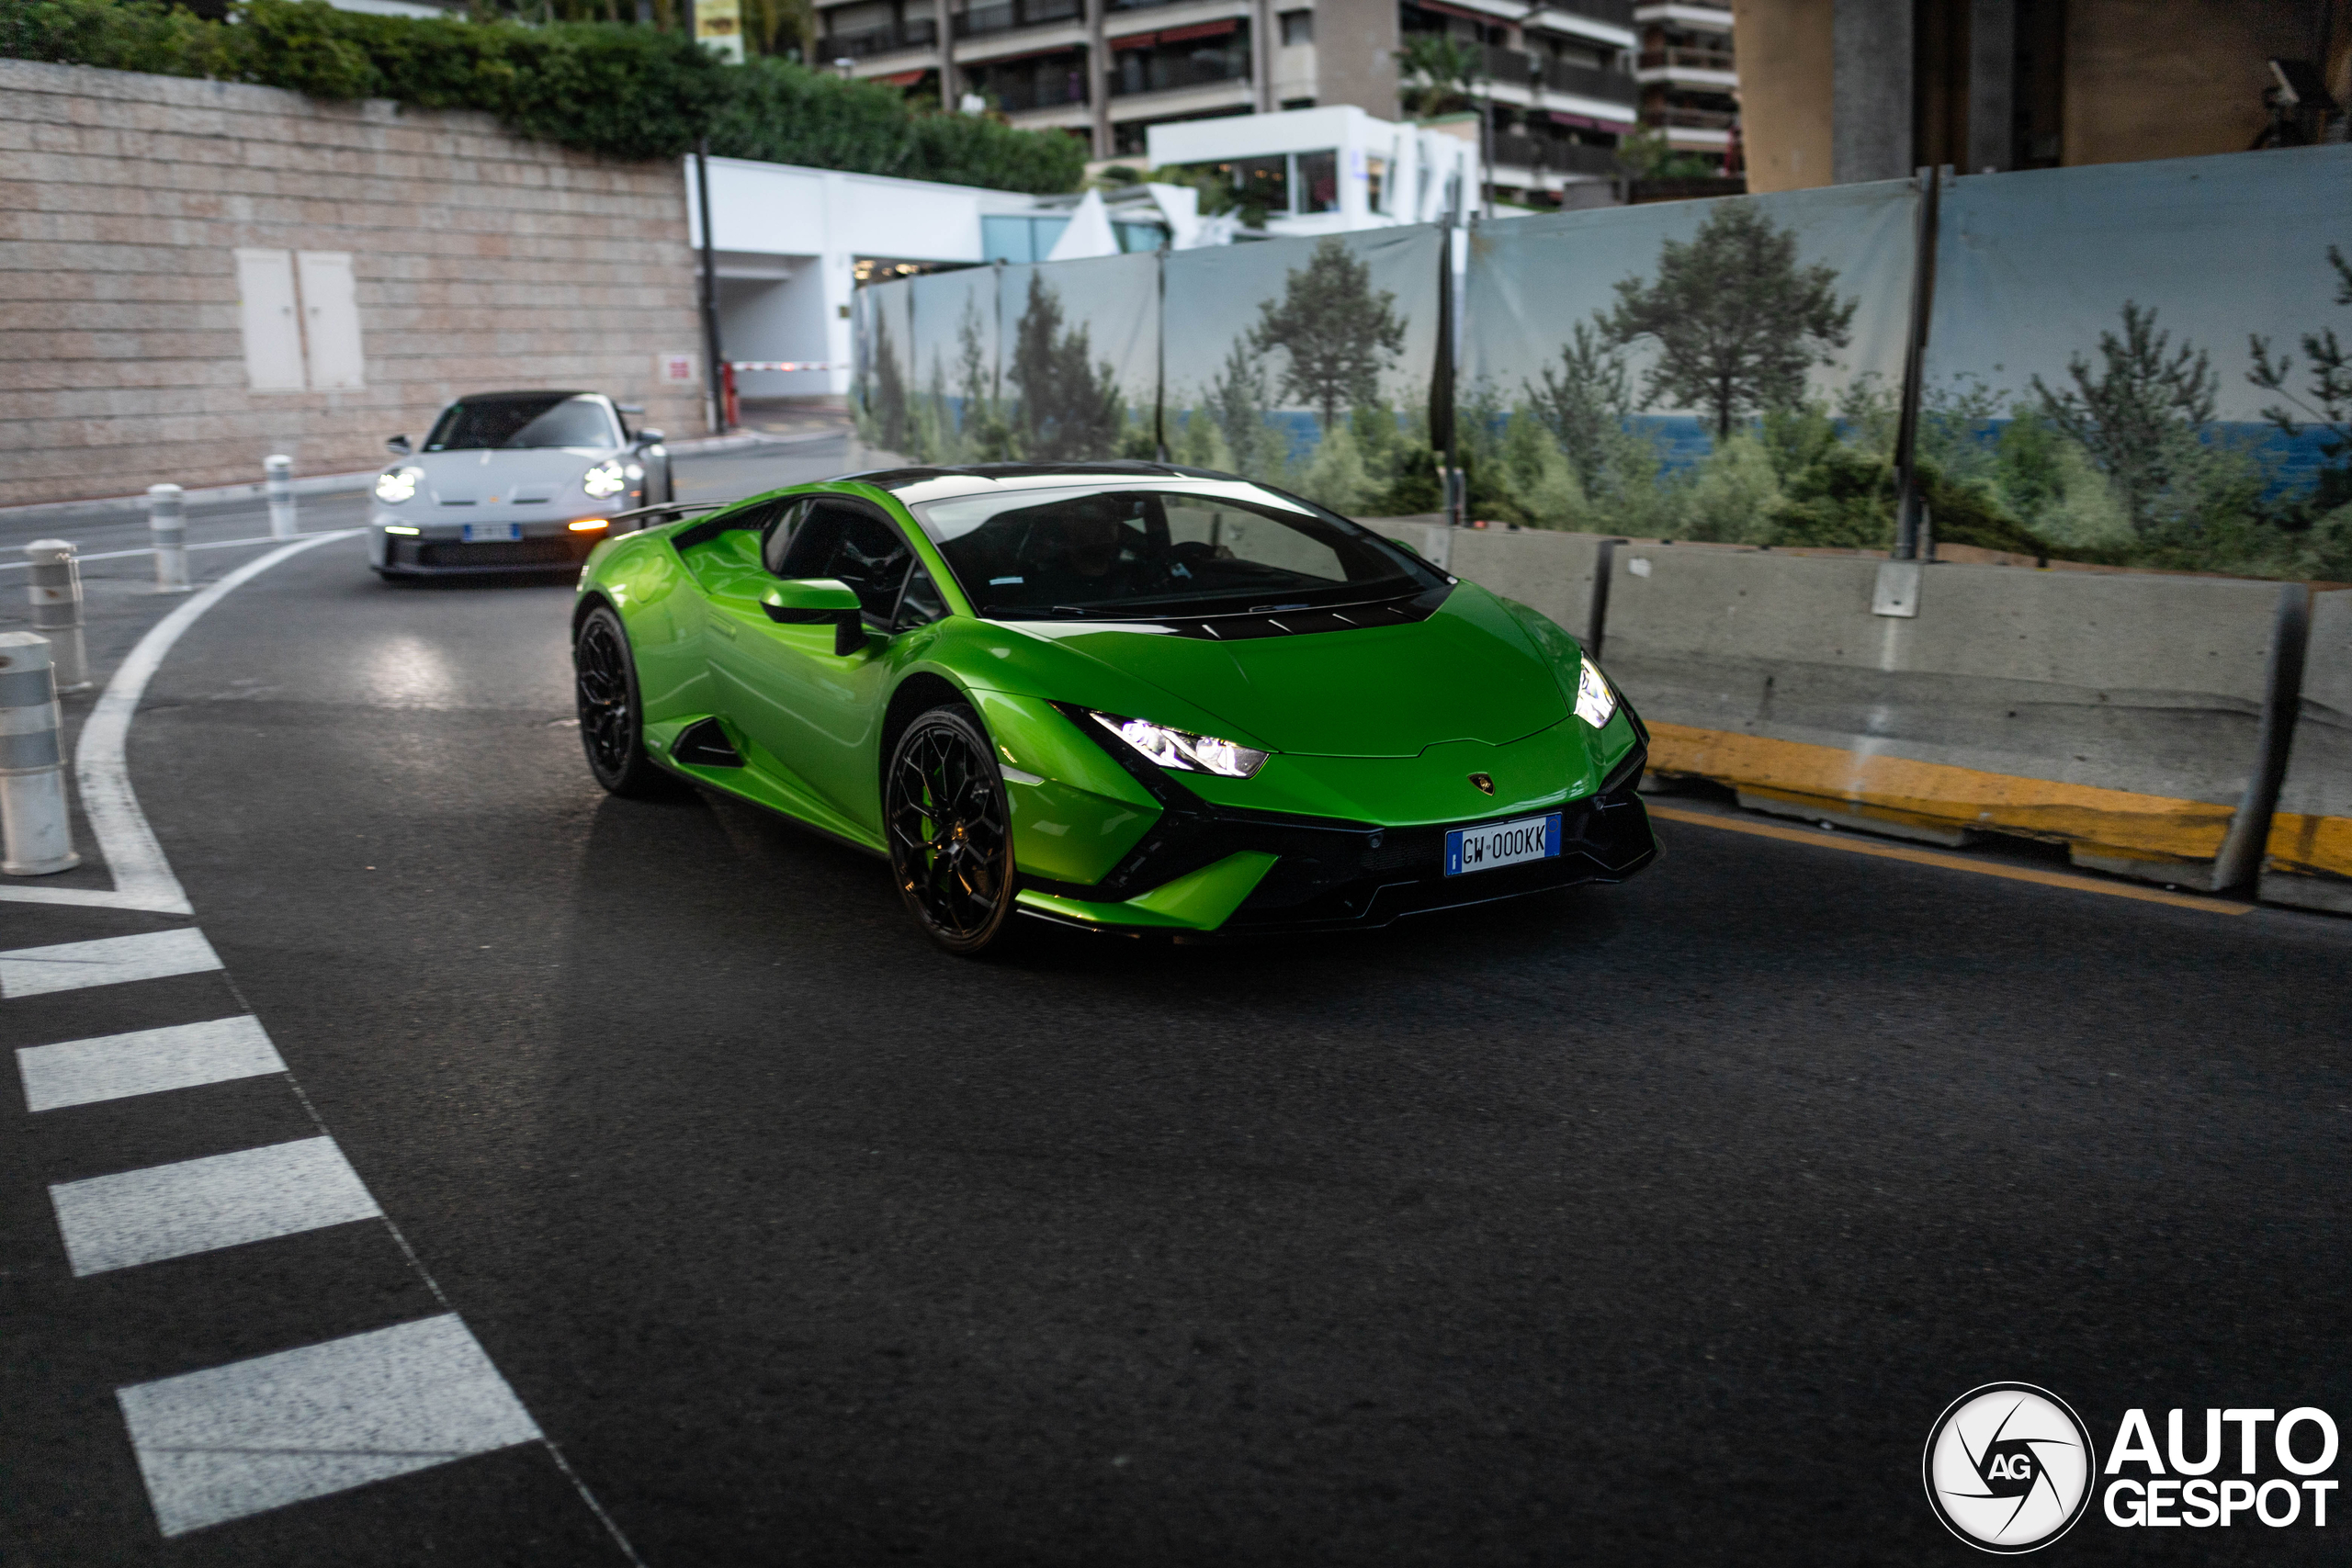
[951,90]
[1870,46]
[1097,80]
[1992,84]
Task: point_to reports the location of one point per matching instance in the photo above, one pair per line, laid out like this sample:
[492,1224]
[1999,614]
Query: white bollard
[38,835]
[279,482]
[56,593]
[167,516]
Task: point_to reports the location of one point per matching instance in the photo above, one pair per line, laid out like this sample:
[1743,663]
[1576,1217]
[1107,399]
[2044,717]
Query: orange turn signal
[590,525]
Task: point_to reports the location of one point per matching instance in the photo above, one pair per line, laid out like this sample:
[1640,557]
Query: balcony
[1692,119]
[1006,14]
[1511,67]
[1204,56]
[1520,152]
[1055,82]
[1616,13]
[1678,58]
[915,32]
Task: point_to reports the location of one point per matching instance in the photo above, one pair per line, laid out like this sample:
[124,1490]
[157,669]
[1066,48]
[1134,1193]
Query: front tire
[611,720]
[950,829]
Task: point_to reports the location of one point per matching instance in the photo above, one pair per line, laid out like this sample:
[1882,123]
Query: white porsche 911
[513,481]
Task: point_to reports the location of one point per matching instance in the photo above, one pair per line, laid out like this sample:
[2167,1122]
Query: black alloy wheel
[950,829]
[611,723]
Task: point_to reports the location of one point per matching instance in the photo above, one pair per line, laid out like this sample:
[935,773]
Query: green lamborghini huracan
[1125,697]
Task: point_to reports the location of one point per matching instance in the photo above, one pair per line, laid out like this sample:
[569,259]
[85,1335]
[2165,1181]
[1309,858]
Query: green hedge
[624,92]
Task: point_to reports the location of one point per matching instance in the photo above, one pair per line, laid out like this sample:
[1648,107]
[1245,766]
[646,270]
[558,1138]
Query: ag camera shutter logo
[2008,1468]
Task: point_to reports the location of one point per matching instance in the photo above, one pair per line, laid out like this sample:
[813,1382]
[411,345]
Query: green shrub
[619,91]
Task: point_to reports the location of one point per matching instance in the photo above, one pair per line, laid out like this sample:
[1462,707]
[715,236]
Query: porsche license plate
[493,533]
[1502,843]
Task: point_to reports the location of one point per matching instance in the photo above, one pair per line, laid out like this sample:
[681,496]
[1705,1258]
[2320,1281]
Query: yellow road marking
[1953,862]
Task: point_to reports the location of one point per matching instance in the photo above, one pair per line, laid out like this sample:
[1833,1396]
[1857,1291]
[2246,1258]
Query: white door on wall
[330,321]
[273,330]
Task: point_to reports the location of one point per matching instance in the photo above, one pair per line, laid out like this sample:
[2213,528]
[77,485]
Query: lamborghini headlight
[606,478]
[1596,703]
[1180,749]
[396,485]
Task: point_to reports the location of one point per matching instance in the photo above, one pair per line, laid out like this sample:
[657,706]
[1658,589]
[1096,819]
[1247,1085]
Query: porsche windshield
[1134,552]
[555,419]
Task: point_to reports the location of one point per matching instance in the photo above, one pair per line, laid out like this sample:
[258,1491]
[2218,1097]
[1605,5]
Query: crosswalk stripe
[68,965]
[197,1205]
[145,1061]
[219,1445]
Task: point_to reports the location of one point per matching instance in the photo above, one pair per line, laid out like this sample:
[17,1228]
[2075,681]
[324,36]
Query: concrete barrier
[1565,575]
[2309,860]
[2120,715]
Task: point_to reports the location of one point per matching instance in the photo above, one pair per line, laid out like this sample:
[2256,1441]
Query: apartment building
[1557,77]
[1845,90]
[1689,78]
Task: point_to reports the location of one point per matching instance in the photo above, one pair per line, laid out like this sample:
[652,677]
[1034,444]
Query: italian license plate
[1502,843]
[493,533]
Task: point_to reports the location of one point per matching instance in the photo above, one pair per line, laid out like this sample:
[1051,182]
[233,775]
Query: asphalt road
[1643,1224]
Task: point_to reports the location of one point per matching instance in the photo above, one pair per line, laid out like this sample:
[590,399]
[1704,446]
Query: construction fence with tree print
[2135,365]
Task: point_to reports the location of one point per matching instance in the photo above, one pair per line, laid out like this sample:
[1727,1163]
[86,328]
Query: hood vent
[1301,622]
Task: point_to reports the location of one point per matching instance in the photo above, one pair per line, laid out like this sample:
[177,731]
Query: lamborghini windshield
[1137,551]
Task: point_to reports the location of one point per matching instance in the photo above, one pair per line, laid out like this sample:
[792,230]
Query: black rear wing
[654,516]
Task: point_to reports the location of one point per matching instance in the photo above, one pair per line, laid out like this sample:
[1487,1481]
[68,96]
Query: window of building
[1317,181]
[1299,27]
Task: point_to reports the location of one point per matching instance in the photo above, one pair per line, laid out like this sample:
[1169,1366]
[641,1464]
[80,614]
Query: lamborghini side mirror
[397,445]
[813,601]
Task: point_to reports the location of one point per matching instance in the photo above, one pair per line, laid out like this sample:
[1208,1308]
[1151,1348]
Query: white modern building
[1322,171]
[792,245]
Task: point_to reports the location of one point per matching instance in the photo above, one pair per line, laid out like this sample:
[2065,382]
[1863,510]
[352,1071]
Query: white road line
[238,1439]
[109,961]
[146,1061]
[142,877]
[199,1205]
[150,549]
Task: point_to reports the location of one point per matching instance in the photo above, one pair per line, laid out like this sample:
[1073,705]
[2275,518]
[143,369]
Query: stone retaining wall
[480,261]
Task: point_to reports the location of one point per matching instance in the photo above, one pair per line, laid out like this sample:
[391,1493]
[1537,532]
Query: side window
[852,544]
[921,604]
[779,538]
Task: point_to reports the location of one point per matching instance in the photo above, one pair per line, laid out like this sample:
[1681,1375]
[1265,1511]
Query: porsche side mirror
[649,438]
[397,445]
[813,601]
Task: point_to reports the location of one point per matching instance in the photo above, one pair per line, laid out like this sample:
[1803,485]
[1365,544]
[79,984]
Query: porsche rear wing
[654,516]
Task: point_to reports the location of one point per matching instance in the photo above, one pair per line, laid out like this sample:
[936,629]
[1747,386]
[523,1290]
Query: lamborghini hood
[1465,674]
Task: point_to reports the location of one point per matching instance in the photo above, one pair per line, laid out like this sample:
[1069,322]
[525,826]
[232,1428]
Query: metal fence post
[278,470]
[167,517]
[34,826]
[56,593]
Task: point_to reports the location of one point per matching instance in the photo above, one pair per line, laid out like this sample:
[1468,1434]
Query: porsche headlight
[1180,749]
[1595,703]
[396,485]
[606,478]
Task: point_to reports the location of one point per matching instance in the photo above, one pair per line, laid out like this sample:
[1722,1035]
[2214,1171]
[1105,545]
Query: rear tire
[611,720]
[950,831]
